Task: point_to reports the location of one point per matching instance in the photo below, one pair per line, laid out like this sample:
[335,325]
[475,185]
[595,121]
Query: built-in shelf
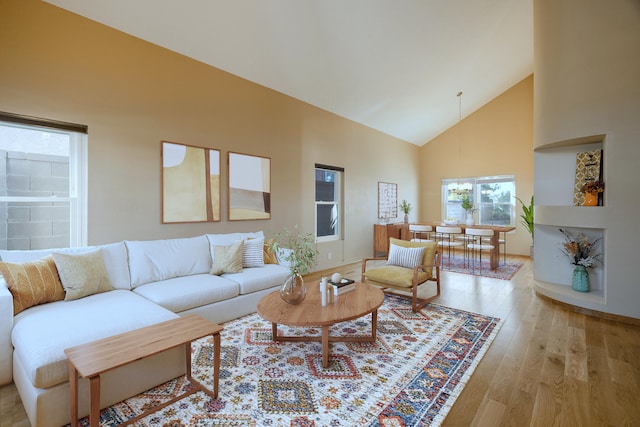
[554,172]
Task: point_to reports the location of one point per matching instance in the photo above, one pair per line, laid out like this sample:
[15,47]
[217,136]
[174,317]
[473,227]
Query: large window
[42,186]
[328,202]
[492,197]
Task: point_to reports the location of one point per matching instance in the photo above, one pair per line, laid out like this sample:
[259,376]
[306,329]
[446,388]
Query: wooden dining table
[495,239]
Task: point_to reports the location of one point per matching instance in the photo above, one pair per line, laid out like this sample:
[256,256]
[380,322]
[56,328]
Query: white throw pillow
[253,253]
[405,257]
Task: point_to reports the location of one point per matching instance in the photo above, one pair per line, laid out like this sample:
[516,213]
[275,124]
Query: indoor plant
[591,191]
[468,208]
[405,207]
[581,252]
[299,251]
[527,219]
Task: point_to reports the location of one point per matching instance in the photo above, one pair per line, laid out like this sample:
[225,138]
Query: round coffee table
[364,299]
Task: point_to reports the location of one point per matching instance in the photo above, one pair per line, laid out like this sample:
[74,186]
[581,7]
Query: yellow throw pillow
[32,283]
[227,259]
[270,257]
[82,274]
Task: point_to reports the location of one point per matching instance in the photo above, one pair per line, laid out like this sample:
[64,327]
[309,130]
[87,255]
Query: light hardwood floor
[548,366]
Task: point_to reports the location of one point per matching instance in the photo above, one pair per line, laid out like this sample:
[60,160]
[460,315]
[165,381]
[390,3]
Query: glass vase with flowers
[581,251]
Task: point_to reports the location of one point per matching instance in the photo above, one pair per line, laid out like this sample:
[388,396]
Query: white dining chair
[445,236]
[421,233]
[478,234]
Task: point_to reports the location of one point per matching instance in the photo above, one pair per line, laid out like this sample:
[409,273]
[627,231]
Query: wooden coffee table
[361,301]
[93,359]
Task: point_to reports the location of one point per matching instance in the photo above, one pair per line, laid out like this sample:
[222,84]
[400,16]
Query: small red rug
[505,271]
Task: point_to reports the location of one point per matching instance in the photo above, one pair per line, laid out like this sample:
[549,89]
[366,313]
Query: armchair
[409,265]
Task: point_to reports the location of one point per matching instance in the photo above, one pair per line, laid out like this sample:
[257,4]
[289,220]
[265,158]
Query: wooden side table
[93,359]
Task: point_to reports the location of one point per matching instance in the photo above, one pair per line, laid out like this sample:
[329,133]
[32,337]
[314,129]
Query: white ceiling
[395,66]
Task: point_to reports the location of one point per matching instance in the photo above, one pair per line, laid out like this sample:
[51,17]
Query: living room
[132,95]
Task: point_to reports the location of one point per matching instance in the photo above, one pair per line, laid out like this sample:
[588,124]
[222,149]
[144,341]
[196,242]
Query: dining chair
[478,235]
[420,231]
[446,239]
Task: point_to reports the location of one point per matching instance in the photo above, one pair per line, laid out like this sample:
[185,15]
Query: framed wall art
[249,187]
[387,200]
[190,183]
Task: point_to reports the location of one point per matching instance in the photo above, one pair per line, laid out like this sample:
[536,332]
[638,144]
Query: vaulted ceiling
[395,66]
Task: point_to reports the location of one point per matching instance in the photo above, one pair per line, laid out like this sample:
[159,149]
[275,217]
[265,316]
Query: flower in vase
[579,249]
[593,187]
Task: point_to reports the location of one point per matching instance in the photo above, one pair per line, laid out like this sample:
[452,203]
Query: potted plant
[405,207]
[527,219]
[299,251]
[468,208]
[581,252]
[591,192]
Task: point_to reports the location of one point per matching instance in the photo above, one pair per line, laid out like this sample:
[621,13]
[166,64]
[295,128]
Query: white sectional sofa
[150,281]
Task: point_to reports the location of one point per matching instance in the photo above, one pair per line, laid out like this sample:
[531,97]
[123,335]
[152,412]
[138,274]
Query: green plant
[405,207]
[466,203]
[298,249]
[527,216]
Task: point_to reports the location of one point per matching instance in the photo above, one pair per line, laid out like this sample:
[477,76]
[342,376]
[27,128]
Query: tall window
[328,202]
[42,185]
[491,196]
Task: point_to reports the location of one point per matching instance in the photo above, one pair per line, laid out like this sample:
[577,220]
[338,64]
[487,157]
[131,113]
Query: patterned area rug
[504,271]
[410,376]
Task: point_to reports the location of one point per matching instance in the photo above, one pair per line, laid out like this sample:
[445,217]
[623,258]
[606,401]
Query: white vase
[469,220]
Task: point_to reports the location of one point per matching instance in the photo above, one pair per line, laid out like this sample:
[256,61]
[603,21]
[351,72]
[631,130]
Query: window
[328,202]
[42,184]
[493,197]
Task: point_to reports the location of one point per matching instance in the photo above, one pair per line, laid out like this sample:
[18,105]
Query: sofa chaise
[113,288]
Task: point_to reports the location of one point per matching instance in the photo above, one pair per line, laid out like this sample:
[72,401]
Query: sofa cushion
[226,239]
[114,255]
[183,293]
[32,283]
[257,279]
[268,254]
[253,253]
[82,274]
[227,259]
[155,260]
[41,333]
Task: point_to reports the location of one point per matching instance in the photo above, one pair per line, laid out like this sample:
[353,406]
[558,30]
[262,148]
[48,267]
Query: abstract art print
[249,187]
[190,183]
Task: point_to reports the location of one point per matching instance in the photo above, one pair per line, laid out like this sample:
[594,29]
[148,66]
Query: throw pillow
[227,259]
[252,253]
[269,256]
[82,274]
[32,283]
[405,257]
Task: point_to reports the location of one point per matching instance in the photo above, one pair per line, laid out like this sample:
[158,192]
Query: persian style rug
[410,376]
[505,271]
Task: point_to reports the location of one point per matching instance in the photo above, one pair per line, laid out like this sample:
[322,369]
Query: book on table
[344,286]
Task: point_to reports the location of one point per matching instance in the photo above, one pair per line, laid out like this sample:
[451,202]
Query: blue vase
[580,280]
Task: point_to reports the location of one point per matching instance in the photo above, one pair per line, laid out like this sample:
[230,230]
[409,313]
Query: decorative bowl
[450,222]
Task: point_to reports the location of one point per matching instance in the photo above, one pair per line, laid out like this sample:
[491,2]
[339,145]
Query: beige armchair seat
[409,265]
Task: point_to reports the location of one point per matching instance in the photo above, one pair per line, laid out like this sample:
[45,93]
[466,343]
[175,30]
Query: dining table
[495,239]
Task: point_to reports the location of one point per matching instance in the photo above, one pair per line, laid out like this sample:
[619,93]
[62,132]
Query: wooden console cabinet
[382,233]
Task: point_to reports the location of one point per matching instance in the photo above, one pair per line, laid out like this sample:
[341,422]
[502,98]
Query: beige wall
[133,94]
[497,139]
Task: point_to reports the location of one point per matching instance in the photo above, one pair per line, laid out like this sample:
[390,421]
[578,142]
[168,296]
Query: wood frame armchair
[405,278]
